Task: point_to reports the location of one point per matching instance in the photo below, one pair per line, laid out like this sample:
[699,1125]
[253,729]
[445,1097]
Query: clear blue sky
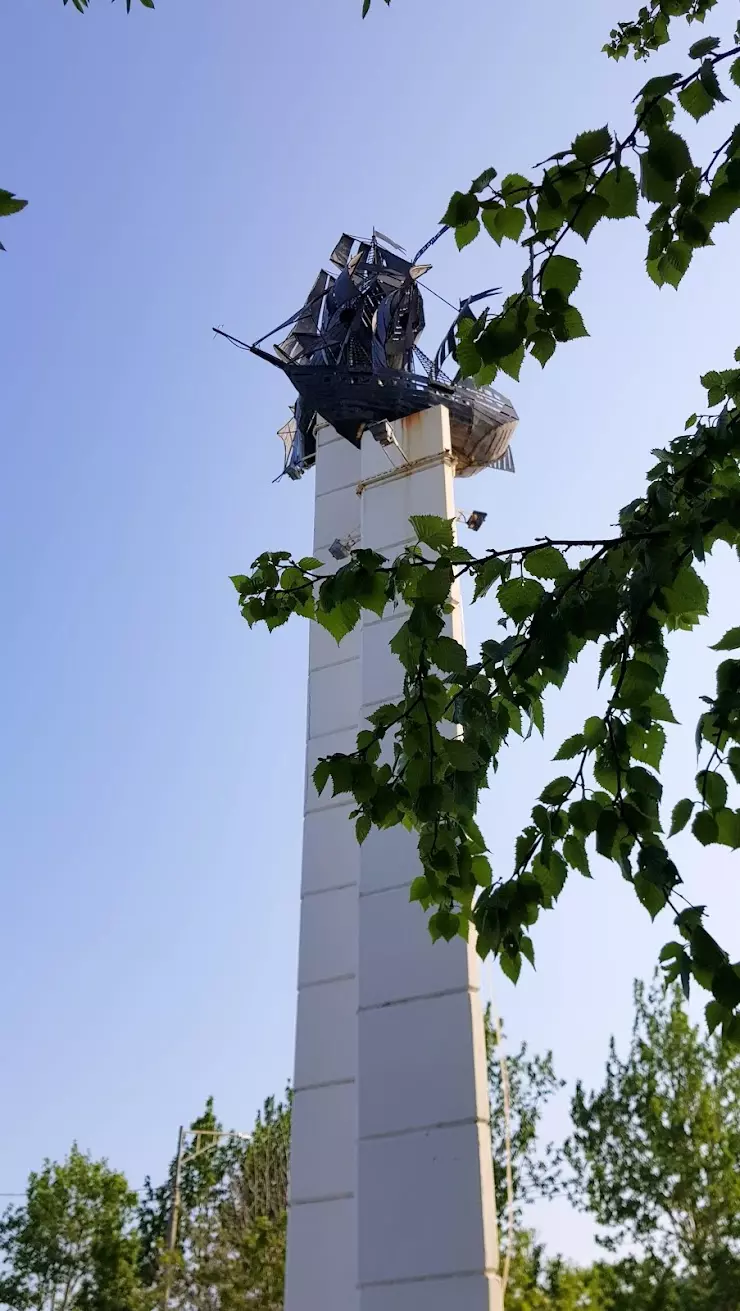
[189,167]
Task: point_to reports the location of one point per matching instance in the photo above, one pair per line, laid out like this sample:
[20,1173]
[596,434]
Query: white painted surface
[457,1294]
[330,857]
[321,1267]
[426,1218]
[324,1123]
[334,697]
[392,1189]
[328,938]
[419,1199]
[326,1033]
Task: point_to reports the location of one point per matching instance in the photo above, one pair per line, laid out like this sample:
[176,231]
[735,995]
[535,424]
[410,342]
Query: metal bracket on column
[405,470]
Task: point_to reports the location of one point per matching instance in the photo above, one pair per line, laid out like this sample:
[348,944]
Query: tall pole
[174,1214]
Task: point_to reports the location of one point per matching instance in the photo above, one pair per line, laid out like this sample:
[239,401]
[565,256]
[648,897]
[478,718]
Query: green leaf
[419,890]
[490,219]
[696,100]
[657,86]
[340,620]
[715,1015]
[570,326]
[641,780]
[433,585]
[321,775]
[687,595]
[712,788]
[674,262]
[606,832]
[500,221]
[483,179]
[572,746]
[638,684]
[650,895]
[584,815]
[546,562]
[466,354]
[735,71]
[463,208]
[701,48]
[481,870]
[542,346]
[466,232]
[574,851]
[590,146]
[730,641]
[594,731]
[704,828]
[362,828]
[10,204]
[557,790]
[654,187]
[682,813]
[519,597]
[512,364]
[585,214]
[728,825]
[668,155]
[433,531]
[501,337]
[461,755]
[449,655]
[561,274]
[444,924]
[511,223]
[511,965]
[308,563]
[660,708]
[515,189]
[486,574]
[726,986]
[619,190]
[527,949]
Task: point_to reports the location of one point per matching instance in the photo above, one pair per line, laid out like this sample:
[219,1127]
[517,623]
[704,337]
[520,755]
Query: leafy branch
[454,718]
[439,742]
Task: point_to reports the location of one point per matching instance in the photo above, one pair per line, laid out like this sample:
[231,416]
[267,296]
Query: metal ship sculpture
[352,355]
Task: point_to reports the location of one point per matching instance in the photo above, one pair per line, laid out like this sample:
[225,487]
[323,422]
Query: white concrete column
[321,1268]
[426,1212]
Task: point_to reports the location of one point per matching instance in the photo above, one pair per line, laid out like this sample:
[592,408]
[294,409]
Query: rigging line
[295,316]
[426,287]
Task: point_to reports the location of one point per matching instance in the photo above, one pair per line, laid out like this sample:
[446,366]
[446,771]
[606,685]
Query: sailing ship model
[353,357]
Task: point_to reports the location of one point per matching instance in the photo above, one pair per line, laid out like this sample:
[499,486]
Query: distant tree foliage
[655,1151]
[72,1245]
[653,1156]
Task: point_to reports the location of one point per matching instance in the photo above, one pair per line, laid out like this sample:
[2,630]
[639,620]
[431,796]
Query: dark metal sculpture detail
[352,355]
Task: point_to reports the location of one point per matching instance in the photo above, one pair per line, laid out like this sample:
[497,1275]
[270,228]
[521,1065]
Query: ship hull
[482,421]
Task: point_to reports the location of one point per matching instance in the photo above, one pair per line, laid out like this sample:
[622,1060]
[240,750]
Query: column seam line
[320,892]
[322,983]
[469,988]
[323,1083]
[326,1197]
[428,1279]
[424,1128]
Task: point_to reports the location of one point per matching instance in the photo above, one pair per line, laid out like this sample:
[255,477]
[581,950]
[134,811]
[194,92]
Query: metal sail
[303,337]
